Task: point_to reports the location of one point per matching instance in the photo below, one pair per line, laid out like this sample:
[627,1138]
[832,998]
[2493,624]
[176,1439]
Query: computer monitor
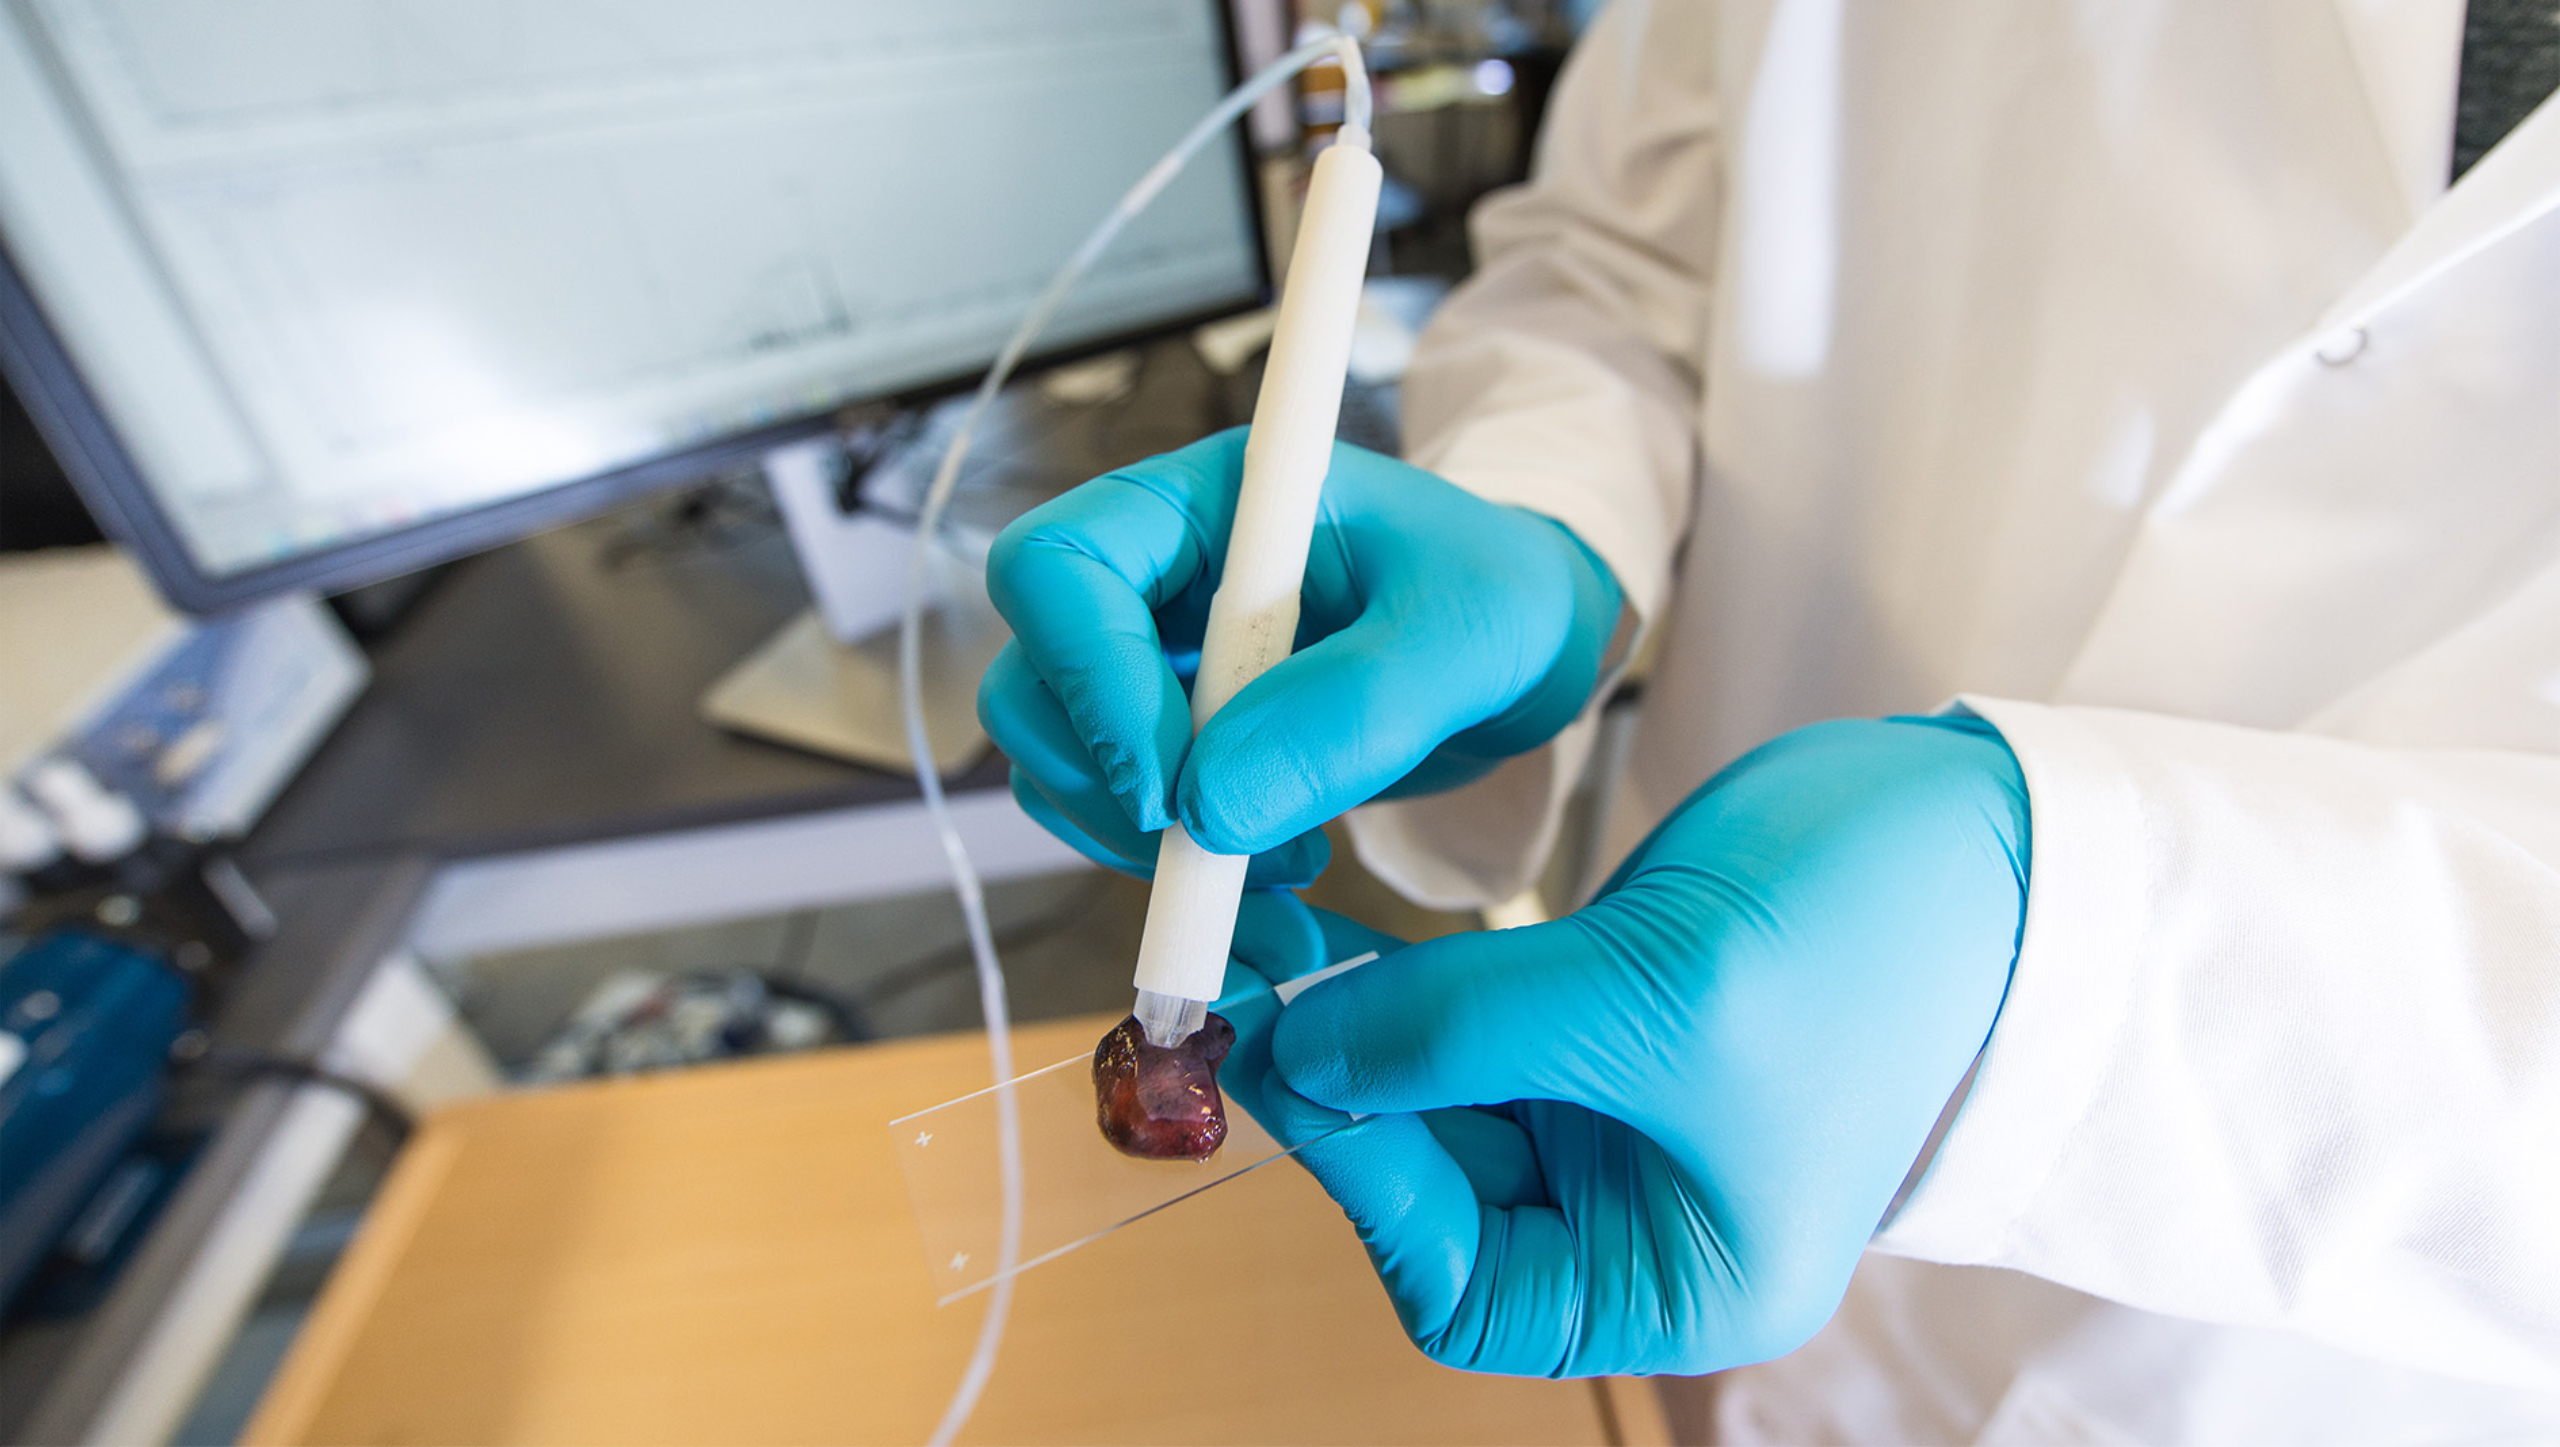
[312,292]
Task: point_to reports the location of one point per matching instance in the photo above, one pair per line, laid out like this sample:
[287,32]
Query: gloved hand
[1439,634]
[1654,1136]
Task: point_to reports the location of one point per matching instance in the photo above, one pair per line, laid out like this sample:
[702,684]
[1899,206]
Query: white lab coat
[2125,369]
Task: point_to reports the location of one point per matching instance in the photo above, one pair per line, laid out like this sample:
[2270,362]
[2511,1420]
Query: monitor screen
[325,271]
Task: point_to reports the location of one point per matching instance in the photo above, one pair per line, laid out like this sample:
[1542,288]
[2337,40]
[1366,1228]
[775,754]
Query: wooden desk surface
[727,1255]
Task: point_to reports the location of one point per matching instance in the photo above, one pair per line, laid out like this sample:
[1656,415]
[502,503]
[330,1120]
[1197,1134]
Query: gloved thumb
[1469,1019]
[1411,1203]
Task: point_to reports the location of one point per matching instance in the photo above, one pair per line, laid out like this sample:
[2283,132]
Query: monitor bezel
[39,366]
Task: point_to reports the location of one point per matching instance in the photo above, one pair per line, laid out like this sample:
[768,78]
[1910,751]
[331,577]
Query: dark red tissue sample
[1159,1104]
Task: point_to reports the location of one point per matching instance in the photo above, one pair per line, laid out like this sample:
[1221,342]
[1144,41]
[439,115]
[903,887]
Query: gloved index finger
[1079,580]
[1413,1205]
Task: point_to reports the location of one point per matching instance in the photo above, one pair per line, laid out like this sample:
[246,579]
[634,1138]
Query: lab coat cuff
[1640,565]
[2068,997]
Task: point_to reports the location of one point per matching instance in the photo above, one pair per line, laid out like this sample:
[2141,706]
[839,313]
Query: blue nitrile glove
[1439,634]
[1654,1136]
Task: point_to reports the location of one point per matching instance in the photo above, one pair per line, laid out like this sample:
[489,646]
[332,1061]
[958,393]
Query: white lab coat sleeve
[1563,377]
[2282,1045]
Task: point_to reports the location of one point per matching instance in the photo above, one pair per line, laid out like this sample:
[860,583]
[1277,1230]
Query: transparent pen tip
[1168,1020]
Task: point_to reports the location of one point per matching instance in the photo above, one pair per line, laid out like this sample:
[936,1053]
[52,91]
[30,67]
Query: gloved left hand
[1655,1136]
[1440,634]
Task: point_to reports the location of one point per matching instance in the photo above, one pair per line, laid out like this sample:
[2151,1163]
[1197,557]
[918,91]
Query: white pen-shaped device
[1253,617]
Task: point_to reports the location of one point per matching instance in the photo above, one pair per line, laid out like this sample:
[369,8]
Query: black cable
[387,1112]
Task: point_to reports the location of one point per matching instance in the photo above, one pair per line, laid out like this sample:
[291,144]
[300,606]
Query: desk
[726,1255]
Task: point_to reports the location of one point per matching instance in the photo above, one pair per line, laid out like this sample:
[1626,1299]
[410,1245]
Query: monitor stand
[828,682]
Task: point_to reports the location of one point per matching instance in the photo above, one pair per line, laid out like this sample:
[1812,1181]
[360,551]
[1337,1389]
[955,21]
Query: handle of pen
[1253,618]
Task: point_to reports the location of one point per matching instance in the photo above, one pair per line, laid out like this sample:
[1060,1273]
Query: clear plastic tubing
[937,500]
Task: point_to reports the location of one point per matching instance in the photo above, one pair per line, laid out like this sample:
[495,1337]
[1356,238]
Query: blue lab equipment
[85,1030]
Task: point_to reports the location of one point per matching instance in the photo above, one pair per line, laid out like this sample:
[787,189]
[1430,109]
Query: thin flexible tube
[964,875]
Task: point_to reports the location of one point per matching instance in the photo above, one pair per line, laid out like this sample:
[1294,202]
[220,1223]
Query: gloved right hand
[1439,634]
[1657,1134]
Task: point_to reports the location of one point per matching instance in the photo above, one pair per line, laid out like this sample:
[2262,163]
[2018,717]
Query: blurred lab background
[455,475]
